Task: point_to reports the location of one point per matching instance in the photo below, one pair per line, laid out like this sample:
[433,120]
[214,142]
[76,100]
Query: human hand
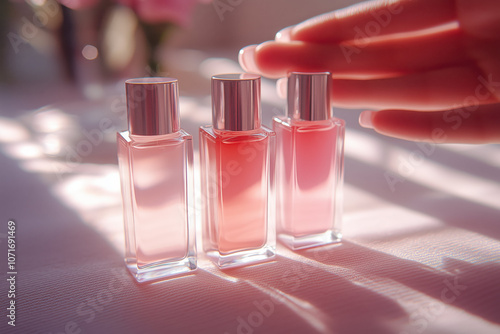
[432,67]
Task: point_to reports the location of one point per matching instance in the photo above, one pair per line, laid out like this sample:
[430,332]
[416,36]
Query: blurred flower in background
[89,42]
[158,11]
[151,11]
[78,4]
[155,19]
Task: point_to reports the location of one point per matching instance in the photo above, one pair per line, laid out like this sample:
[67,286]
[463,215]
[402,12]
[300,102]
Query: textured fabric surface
[421,257]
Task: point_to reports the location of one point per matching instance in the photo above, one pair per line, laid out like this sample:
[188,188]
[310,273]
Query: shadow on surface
[469,286]
[449,209]
[348,307]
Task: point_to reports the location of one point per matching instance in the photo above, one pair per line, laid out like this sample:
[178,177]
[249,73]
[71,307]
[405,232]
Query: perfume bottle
[309,164]
[155,158]
[237,175]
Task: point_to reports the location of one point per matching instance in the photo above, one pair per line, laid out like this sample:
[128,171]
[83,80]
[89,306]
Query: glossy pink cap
[236,102]
[153,106]
[308,95]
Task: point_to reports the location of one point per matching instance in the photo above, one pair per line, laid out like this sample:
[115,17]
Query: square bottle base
[161,270]
[312,240]
[241,258]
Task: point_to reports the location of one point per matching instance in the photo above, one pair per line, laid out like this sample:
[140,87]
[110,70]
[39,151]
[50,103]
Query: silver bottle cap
[308,96]
[152,105]
[236,102]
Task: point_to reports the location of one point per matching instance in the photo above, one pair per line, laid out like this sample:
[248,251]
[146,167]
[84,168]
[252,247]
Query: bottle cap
[308,96]
[152,105]
[236,102]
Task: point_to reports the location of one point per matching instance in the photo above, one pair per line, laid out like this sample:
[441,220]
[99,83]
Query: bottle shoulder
[218,135]
[159,140]
[123,136]
[286,122]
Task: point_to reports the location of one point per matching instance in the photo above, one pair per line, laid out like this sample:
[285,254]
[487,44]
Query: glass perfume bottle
[155,158]
[309,164]
[237,175]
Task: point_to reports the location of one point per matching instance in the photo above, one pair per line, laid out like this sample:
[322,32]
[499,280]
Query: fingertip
[276,59]
[366,119]
[246,58]
[271,58]
[281,87]
[284,35]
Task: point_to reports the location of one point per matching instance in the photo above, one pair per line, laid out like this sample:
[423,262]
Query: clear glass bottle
[309,164]
[155,158]
[237,175]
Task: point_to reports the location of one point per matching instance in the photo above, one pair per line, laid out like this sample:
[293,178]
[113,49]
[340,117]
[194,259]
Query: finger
[360,59]
[432,90]
[375,18]
[283,35]
[246,58]
[281,87]
[474,125]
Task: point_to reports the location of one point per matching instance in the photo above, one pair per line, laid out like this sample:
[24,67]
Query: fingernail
[365,119]
[246,58]
[281,87]
[283,35]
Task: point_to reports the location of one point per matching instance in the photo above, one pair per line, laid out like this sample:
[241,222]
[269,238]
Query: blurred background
[105,40]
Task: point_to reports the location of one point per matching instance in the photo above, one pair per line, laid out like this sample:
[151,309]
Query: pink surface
[422,256]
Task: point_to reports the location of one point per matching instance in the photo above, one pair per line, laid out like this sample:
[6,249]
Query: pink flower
[156,11]
[78,4]
[151,11]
